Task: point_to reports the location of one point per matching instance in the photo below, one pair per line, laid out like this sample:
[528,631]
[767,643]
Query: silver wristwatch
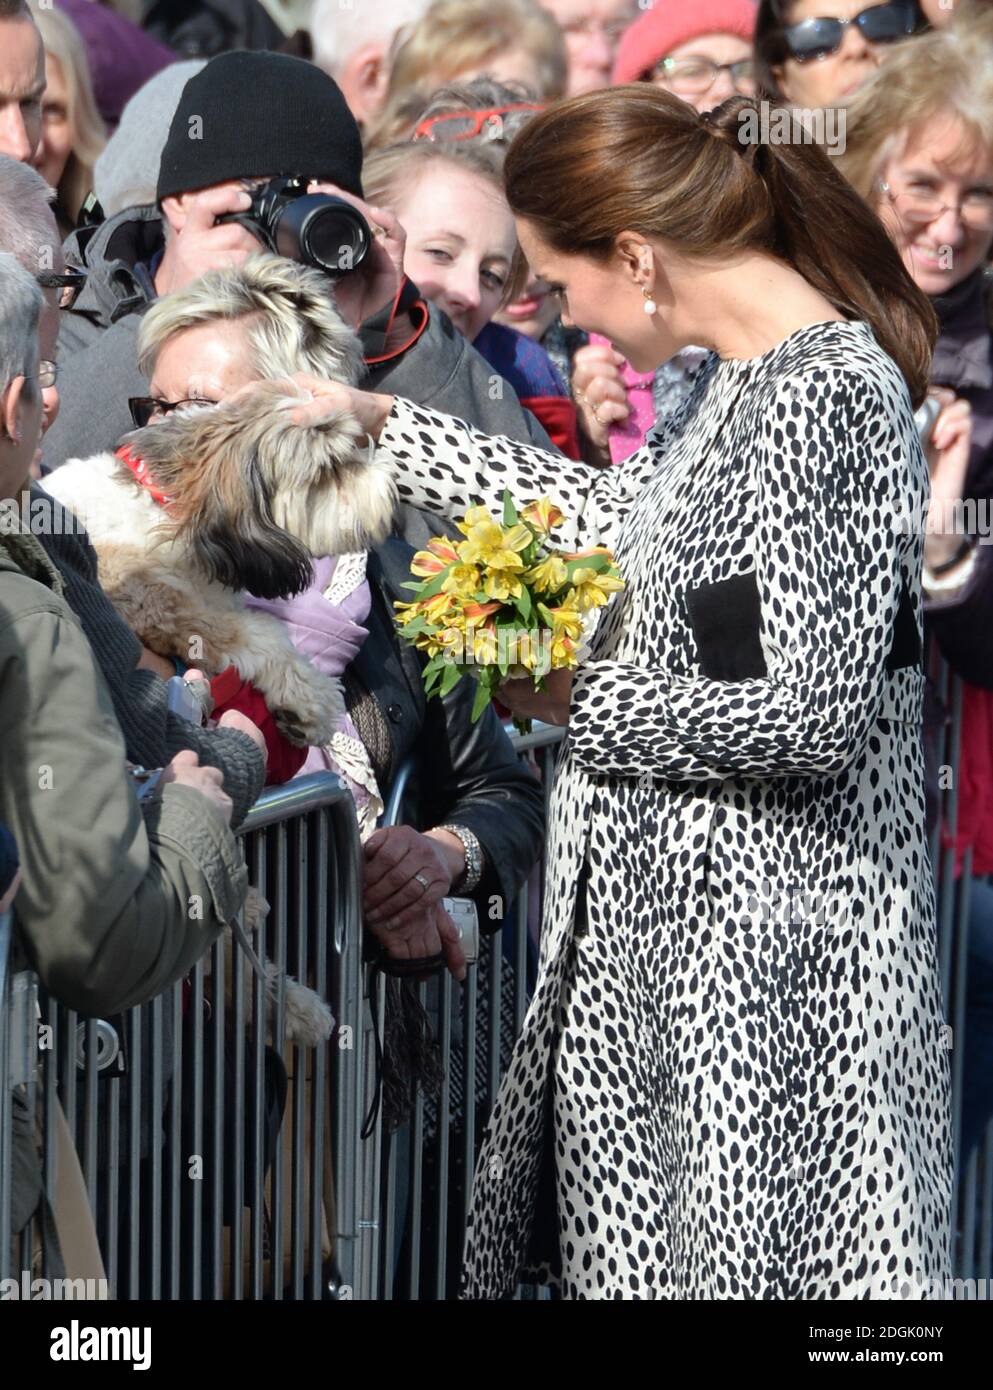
[473,870]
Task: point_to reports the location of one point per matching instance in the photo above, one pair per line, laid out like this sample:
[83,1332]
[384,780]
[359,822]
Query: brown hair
[386,174]
[637,158]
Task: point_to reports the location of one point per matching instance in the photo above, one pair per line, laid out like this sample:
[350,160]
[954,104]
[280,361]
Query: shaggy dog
[231,497]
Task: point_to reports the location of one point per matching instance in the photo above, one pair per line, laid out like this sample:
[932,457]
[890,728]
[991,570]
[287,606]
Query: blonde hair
[64,42]
[293,325]
[458,36]
[388,174]
[947,70]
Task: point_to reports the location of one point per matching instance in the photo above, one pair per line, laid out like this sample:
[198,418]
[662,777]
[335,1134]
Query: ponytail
[637,158]
[827,232]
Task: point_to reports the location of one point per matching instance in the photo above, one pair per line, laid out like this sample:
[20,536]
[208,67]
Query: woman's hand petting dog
[405,877]
[186,771]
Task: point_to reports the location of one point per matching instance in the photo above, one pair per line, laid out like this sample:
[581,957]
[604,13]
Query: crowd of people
[136,286]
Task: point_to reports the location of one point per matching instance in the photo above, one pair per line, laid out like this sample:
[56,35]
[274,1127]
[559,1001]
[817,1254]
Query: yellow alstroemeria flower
[475,516]
[476,613]
[462,580]
[439,555]
[495,547]
[591,550]
[406,612]
[501,585]
[484,646]
[441,608]
[548,576]
[543,515]
[563,653]
[592,590]
[566,621]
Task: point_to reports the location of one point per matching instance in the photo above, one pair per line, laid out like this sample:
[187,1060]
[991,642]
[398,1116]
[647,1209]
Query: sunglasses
[68,284]
[145,409]
[466,125]
[818,38]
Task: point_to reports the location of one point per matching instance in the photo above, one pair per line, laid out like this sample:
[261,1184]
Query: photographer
[247,118]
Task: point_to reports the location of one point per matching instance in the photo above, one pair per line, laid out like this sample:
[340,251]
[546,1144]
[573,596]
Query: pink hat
[672,22]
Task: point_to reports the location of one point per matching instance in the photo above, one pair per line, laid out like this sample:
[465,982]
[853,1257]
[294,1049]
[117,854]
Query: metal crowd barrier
[168,1106]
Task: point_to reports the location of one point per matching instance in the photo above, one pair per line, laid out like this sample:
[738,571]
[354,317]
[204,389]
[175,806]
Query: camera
[463,913]
[315,229]
[925,418]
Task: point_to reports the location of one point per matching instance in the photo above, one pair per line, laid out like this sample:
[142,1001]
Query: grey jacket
[105,909]
[98,353]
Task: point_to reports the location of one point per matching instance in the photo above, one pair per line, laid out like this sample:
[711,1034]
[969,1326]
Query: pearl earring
[649,306]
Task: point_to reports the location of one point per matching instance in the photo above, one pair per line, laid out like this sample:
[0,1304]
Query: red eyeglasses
[466,125]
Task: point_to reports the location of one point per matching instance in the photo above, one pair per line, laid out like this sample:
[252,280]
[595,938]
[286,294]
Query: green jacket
[118,900]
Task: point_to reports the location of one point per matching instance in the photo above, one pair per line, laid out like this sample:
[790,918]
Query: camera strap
[375,330]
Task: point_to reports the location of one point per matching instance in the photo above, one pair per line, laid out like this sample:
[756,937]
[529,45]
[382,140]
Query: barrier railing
[197,1188]
[174,1107]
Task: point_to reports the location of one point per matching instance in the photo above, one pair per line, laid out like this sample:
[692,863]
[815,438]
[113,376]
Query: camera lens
[323,231]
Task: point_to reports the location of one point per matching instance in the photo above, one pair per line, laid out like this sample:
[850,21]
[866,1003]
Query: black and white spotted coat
[732,1082]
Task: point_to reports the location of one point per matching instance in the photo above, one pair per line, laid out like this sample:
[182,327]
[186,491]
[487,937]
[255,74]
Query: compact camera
[463,913]
[315,229]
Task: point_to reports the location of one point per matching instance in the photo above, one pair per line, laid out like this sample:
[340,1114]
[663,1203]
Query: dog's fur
[252,498]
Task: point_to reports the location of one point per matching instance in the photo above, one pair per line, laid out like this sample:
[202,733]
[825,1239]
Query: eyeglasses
[586,28]
[693,76]
[69,284]
[466,125]
[818,38]
[145,409]
[922,204]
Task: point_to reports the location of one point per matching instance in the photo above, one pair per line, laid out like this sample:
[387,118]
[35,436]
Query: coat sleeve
[117,901]
[828,561]
[445,466]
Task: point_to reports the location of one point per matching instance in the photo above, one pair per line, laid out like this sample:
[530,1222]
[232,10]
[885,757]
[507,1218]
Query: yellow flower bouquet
[504,602]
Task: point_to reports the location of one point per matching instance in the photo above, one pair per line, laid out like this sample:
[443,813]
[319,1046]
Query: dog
[224,499]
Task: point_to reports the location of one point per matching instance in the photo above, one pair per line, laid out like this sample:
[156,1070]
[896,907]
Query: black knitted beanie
[252,115]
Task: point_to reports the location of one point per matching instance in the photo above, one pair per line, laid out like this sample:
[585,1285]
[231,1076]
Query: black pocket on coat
[725,617]
[906,648]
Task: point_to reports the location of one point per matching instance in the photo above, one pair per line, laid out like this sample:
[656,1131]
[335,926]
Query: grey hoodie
[98,354]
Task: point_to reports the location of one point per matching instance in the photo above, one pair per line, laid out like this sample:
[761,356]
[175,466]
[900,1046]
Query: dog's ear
[243,548]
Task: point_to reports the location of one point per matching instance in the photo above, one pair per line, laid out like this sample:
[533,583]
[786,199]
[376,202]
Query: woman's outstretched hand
[369,408]
[550,705]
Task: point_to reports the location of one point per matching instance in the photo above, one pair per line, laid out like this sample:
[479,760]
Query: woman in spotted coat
[732,1081]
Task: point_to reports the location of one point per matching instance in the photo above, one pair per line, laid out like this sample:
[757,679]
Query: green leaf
[434,585]
[410,584]
[523,603]
[483,697]
[597,563]
[509,510]
[451,678]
